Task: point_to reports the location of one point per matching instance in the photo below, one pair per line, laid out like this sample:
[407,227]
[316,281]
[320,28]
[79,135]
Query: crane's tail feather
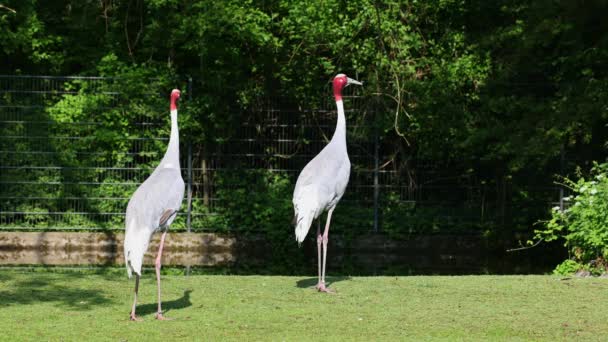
[133,266]
[133,260]
[128,265]
[303,220]
[135,246]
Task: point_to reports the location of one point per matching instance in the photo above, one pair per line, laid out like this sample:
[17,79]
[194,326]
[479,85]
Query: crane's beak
[350,81]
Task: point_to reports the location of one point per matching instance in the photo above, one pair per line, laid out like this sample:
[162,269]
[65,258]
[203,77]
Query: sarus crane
[152,208]
[322,182]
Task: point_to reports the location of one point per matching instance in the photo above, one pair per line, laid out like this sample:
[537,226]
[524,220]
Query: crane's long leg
[322,287]
[133,317]
[319,241]
[159,313]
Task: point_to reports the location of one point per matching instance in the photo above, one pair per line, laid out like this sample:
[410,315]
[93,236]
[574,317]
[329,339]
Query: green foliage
[259,202]
[584,223]
[568,267]
[494,91]
[254,201]
[34,217]
[505,83]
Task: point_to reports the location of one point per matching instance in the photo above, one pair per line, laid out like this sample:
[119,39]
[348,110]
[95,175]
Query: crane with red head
[322,183]
[153,207]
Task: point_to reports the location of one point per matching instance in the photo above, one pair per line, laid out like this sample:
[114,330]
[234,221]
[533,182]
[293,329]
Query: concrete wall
[368,254]
[68,248]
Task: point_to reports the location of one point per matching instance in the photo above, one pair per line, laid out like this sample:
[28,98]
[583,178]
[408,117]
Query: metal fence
[77,171]
[54,173]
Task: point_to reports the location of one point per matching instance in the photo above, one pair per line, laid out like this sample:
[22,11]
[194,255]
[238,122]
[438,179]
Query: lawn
[76,306]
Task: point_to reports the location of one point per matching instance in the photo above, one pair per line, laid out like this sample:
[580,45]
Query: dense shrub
[582,223]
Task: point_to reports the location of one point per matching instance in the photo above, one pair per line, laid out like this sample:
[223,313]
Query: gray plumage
[323,180]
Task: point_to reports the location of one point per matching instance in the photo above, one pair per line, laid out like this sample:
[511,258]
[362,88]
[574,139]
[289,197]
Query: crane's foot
[321,288]
[135,318]
[160,317]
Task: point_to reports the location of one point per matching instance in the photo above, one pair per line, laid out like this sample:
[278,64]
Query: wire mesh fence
[63,171]
[71,155]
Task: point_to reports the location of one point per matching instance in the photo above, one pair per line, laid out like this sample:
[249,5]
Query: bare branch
[526,247]
[564,185]
[396,76]
[127,29]
[8,9]
[391,160]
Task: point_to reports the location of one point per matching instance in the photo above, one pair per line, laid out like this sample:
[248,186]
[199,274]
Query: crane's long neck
[171,158]
[340,133]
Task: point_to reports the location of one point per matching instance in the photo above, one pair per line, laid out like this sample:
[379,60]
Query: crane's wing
[164,218]
[152,206]
[163,191]
[328,173]
[319,187]
[307,201]
[169,195]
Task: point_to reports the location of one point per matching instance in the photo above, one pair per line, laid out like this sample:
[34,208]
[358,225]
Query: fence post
[189,216]
[376,171]
[561,172]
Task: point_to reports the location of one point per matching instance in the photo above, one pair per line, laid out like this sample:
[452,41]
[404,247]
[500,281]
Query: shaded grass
[77,306]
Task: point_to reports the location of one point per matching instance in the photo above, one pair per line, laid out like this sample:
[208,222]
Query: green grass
[77,307]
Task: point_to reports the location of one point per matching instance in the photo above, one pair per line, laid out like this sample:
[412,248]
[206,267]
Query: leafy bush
[254,200]
[259,202]
[568,267]
[583,224]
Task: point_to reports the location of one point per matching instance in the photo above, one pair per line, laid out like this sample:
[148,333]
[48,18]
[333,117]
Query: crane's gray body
[323,180]
[154,204]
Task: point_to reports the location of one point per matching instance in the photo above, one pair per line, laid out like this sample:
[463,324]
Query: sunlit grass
[77,306]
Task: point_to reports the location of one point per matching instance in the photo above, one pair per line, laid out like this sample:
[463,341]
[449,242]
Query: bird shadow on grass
[51,289]
[312,282]
[176,304]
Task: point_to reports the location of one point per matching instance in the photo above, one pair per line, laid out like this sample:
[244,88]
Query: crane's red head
[340,82]
[174,97]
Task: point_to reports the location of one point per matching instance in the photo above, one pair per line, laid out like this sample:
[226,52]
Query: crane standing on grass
[322,182]
[153,207]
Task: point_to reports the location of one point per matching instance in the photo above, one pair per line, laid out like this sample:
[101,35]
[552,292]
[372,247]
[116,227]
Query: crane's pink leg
[321,286]
[319,241]
[133,317]
[159,313]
